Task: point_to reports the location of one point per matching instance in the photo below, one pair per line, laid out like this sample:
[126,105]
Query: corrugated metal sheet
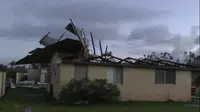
[47,40]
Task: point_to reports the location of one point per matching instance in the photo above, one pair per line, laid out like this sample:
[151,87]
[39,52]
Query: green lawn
[16,102]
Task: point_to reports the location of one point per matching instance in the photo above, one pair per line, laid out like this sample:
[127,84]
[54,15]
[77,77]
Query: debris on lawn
[27,109]
[16,106]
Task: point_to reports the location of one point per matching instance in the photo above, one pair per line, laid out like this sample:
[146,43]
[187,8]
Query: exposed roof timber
[106,50]
[100,47]
[129,60]
[130,65]
[170,63]
[61,37]
[93,43]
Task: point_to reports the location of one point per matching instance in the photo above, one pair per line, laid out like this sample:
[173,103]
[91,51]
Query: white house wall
[55,60]
[2,83]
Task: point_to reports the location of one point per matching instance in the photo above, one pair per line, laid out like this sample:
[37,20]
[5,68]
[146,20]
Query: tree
[192,59]
[163,56]
[166,56]
[3,67]
[12,63]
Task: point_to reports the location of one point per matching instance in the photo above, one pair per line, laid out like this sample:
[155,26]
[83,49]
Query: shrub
[102,91]
[96,91]
[74,91]
[49,97]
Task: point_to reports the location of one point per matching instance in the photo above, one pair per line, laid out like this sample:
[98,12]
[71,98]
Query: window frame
[165,76]
[115,75]
[162,80]
[174,76]
[80,66]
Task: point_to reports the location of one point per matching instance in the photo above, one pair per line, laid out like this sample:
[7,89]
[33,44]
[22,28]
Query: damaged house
[138,79]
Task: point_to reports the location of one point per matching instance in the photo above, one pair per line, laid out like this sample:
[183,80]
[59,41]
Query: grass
[41,107]
[17,100]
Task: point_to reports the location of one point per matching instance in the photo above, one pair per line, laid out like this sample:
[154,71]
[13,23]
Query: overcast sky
[128,27]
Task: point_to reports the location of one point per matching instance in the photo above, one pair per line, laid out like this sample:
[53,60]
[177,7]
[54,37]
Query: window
[80,72]
[54,70]
[195,78]
[165,77]
[48,79]
[115,75]
[118,76]
[159,76]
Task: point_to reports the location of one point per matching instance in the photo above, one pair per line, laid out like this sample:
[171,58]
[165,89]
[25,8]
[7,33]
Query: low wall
[43,76]
[33,74]
[19,76]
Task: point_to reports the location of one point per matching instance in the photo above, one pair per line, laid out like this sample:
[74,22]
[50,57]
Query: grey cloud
[151,33]
[115,46]
[99,31]
[23,31]
[170,44]
[104,33]
[175,41]
[151,48]
[20,30]
[155,39]
[103,12]
[159,38]
[103,18]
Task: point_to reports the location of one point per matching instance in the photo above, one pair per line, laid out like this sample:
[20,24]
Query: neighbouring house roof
[17,70]
[67,45]
[43,55]
[131,62]
[34,58]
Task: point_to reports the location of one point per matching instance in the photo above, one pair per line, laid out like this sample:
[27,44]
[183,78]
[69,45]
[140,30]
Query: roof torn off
[70,50]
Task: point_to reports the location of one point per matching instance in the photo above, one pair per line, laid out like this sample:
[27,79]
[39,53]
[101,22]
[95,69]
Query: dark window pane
[80,72]
[196,78]
[118,76]
[159,76]
[193,78]
[170,77]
